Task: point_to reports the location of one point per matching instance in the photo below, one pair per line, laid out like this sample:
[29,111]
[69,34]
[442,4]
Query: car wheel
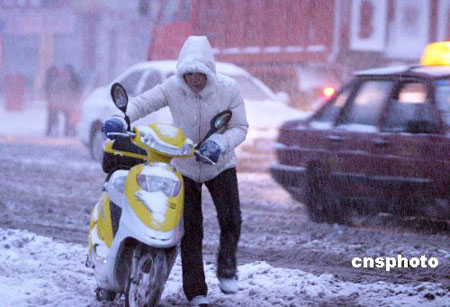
[405,206]
[97,140]
[322,202]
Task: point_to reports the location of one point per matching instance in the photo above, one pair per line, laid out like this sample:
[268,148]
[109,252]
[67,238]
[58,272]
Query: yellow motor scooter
[138,222]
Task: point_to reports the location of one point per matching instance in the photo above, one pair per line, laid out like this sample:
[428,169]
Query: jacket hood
[196,55]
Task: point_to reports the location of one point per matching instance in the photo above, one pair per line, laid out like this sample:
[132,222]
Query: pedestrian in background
[62,88]
[72,95]
[52,95]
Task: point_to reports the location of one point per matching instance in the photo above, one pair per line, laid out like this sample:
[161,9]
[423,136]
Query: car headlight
[169,187]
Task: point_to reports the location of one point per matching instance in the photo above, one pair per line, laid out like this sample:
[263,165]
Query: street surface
[49,186]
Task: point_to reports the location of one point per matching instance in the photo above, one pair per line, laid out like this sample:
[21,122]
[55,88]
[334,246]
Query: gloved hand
[210,150]
[115,124]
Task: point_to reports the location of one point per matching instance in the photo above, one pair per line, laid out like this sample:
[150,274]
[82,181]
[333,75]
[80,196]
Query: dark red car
[382,143]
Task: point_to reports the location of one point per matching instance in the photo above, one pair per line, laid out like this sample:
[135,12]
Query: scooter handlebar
[129,134]
[203,158]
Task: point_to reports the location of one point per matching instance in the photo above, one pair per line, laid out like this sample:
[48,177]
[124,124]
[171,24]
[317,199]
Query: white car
[265,110]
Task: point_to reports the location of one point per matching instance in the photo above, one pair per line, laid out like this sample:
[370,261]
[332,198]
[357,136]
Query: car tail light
[328,92]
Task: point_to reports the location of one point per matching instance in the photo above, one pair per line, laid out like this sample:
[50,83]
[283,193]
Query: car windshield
[332,110]
[153,78]
[249,89]
[130,81]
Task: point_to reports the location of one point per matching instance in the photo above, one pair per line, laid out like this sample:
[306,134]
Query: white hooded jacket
[192,112]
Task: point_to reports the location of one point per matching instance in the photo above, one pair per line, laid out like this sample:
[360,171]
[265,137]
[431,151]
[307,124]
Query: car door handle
[380,142]
[336,138]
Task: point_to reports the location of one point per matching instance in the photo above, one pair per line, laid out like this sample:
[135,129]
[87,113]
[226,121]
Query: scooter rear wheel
[151,276]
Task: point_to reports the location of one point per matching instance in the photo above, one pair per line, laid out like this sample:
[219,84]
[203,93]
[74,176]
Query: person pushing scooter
[194,95]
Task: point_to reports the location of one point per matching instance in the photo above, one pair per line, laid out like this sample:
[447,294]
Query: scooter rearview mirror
[217,122]
[220,120]
[119,96]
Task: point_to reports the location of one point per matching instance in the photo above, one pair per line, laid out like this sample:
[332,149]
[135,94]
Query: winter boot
[228,285]
[199,300]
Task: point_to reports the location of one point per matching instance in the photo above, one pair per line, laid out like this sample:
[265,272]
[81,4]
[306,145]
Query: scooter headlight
[150,140]
[169,187]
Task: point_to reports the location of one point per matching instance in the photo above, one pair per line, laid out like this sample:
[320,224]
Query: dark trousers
[53,122]
[224,191]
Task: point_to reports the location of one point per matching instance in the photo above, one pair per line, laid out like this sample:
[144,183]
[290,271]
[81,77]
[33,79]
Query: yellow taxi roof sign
[436,54]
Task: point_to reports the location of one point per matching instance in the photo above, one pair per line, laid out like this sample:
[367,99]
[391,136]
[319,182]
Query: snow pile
[39,271]
[263,285]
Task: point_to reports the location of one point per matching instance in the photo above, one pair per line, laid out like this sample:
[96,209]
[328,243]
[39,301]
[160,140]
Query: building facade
[269,38]
[99,38]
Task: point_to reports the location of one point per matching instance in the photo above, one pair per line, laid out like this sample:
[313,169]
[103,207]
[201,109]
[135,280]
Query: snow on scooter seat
[40,271]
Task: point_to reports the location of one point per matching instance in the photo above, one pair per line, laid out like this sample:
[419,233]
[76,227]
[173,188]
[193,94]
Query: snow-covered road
[41,271]
[48,187]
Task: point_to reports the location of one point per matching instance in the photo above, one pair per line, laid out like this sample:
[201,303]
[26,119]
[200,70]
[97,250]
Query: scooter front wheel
[151,275]
[104,295]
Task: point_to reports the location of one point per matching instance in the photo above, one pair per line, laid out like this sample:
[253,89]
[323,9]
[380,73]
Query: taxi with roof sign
[380,144]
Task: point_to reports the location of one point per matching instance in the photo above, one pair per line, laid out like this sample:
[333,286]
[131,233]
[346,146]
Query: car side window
[443,99]
[153,78]
[368,103]
[409,106]
[131,81]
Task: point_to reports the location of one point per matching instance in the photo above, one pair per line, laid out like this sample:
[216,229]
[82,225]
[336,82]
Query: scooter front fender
[131,226]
